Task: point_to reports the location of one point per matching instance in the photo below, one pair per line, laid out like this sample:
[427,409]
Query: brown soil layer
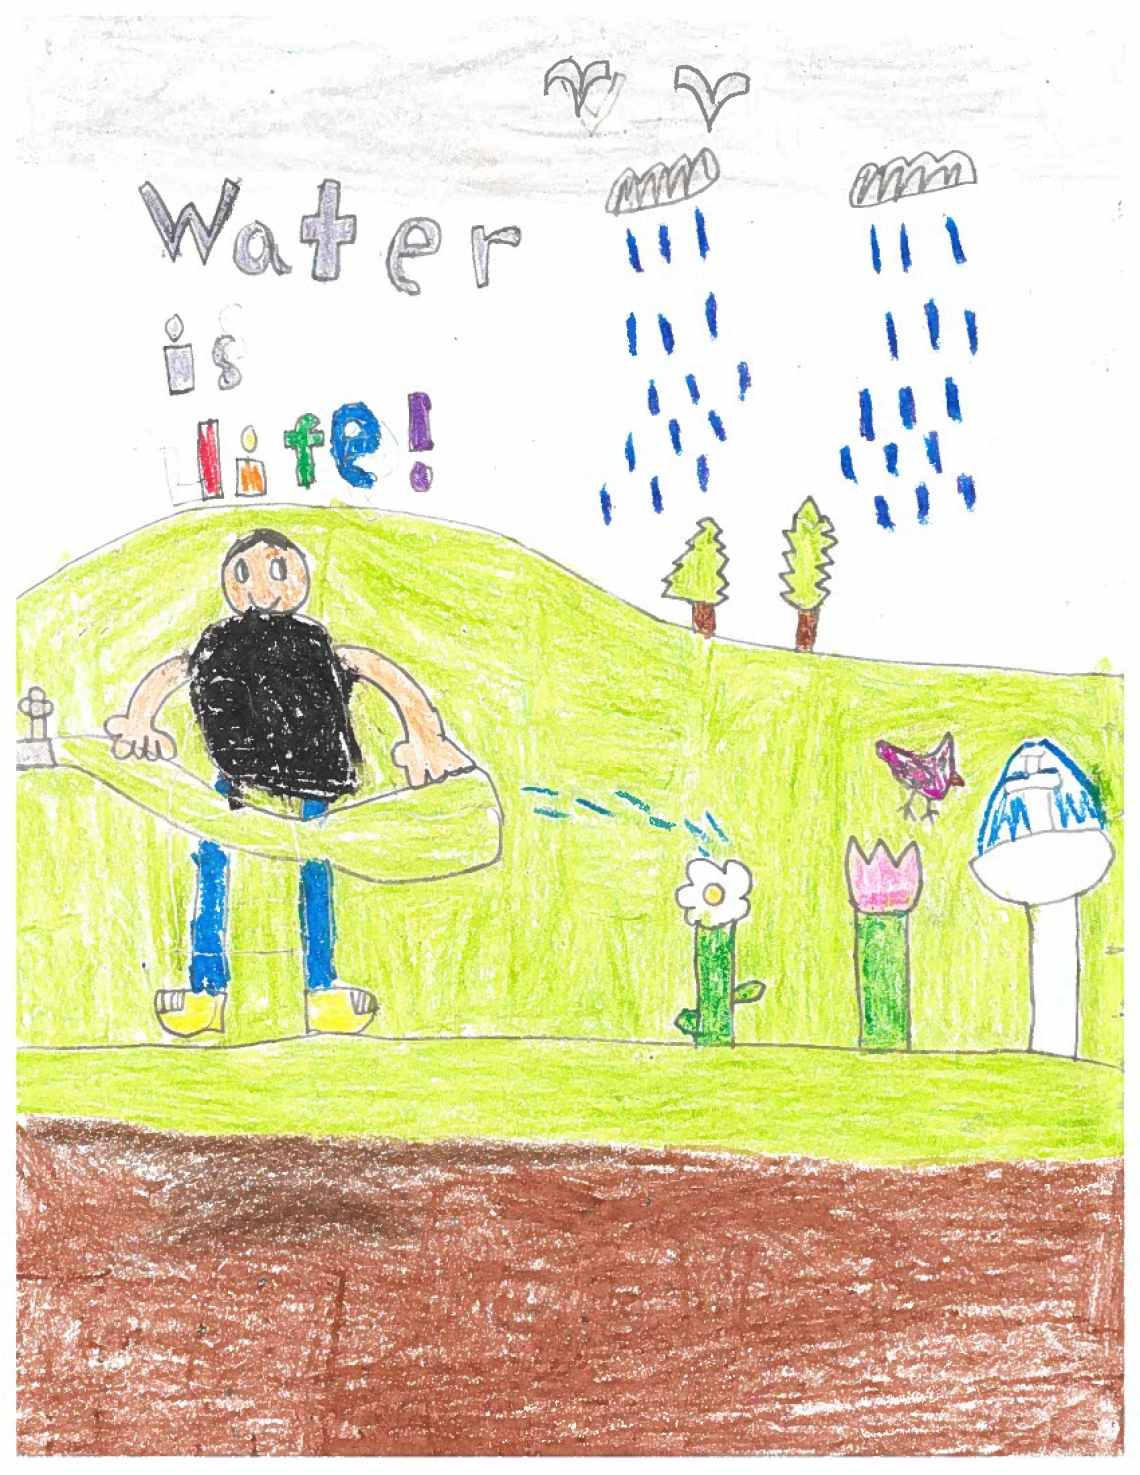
[198,1295]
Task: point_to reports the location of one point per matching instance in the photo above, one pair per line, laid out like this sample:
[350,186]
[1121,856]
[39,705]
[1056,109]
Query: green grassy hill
[554,684]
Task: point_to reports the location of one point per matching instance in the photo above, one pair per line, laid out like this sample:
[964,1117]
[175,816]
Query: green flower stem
[882,979]
[715,961]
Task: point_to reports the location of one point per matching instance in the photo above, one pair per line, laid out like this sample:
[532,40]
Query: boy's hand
[137,737]
[426,758]
[425,755]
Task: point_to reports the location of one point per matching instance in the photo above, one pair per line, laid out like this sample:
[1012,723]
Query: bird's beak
[957,781]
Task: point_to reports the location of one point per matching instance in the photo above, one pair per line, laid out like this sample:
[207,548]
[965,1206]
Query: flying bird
[577,80]
[929,776]
[710,100]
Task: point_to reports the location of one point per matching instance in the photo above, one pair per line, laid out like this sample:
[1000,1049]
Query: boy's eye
[241,571]
[277,569]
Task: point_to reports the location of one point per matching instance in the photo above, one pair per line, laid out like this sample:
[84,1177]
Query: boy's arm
[425,752]
[134,731]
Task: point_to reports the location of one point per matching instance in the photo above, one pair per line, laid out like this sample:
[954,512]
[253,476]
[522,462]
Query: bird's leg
[931,813]
[908,807]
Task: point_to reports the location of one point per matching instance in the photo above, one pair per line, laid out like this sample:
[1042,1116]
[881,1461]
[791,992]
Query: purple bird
[929,775]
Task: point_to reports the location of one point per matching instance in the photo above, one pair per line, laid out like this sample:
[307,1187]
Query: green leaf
[686,1022]
[748,993]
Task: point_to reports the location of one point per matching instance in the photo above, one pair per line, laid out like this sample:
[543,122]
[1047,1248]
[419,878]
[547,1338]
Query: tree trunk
[806,627]
[704,619]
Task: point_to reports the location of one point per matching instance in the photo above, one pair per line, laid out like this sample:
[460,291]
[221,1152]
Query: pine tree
[698,576]
[809,537]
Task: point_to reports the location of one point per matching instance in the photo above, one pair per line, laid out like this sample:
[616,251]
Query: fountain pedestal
[1042,845]
[1054,978]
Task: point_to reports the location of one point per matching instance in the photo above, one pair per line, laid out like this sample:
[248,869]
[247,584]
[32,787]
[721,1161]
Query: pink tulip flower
[880,883]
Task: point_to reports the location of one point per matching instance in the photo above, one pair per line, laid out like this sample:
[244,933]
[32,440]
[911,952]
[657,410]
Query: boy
[271,695]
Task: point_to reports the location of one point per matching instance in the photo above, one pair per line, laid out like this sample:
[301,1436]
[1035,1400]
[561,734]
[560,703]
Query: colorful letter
[355,432]
[209,460]
[301,439]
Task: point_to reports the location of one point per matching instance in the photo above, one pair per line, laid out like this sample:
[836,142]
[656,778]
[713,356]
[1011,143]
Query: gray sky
[299,94]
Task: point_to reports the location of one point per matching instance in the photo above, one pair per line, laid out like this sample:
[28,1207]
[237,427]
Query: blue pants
[209,961]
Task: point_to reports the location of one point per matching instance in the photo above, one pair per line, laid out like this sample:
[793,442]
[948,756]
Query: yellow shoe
[183,1012]
[339,1010]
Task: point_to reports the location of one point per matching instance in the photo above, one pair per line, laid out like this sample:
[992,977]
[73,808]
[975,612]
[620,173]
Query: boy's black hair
[266,536]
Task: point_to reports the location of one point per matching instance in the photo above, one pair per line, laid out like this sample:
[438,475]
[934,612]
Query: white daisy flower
[715,895]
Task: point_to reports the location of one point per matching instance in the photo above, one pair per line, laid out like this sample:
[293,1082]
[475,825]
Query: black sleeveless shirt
[271,698]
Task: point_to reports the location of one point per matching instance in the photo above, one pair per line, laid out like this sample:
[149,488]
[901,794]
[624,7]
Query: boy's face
[273,580]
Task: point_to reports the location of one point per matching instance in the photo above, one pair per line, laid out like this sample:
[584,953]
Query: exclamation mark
[419,438]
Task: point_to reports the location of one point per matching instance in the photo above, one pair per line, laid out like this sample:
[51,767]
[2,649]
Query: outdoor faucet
[35,750]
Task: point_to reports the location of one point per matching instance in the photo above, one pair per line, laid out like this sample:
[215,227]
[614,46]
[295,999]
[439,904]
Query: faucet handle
[37,707]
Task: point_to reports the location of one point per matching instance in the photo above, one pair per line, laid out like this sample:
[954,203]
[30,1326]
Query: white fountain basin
[1046,867]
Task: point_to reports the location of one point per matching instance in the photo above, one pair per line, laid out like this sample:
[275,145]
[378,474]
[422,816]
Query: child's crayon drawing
[569,866]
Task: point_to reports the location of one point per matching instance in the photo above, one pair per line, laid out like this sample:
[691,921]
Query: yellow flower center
[713,895]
